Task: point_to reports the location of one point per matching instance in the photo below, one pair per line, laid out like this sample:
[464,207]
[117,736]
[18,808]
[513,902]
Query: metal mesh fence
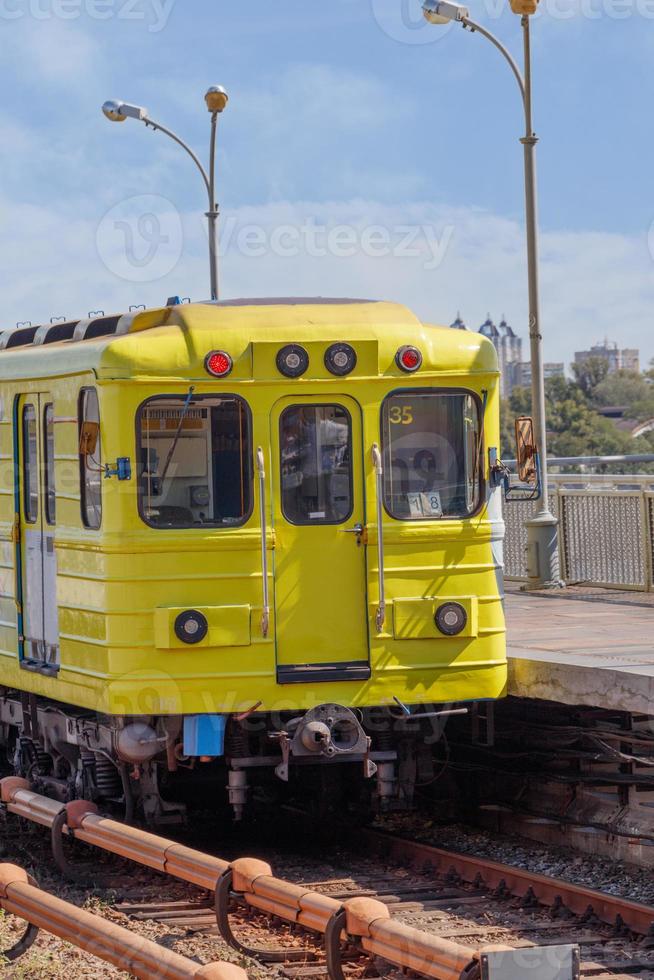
[603,538]
[515,546]
[650,536]
[606,536]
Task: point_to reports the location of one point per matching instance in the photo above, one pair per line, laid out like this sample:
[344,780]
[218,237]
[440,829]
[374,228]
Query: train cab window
[316,464]
[48,443]
[432,451]
[30,465]
[195,462]
[90,462]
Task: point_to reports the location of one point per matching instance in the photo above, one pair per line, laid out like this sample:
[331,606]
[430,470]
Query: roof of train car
[173,341]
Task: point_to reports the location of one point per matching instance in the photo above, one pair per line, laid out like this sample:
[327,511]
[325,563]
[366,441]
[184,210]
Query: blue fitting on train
[123,469]
[204,735]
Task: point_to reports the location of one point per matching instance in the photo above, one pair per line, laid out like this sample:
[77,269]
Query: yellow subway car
[244,543]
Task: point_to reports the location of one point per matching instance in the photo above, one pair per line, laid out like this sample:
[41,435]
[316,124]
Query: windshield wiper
[171,451]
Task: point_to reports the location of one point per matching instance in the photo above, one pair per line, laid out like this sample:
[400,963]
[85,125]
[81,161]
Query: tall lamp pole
[216,99]
[543,568]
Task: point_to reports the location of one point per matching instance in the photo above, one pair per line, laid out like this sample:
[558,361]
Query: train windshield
[432,455]
[194,462]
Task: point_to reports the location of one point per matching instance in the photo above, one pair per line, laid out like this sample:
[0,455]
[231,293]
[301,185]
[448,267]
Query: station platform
[578,646]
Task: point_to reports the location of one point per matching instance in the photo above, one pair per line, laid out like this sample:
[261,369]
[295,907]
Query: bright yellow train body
[136,629]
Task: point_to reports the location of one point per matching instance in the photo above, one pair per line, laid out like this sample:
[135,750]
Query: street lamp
[542,542]
[216,99]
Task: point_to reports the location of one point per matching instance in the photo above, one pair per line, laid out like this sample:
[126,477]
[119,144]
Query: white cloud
[594,284]
[55,50]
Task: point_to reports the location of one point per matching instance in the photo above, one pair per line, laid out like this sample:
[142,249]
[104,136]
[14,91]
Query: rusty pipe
[253,881]
[129,952]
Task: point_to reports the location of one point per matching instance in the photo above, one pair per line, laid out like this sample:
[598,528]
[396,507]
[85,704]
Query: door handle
[360,531]
[378,467]
[265,615]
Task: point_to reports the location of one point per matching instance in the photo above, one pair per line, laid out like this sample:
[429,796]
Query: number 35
[401,415]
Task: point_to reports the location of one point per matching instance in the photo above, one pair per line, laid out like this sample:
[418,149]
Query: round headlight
[292,361]
[408,359]
[451,618]
[340,359]
[191,626]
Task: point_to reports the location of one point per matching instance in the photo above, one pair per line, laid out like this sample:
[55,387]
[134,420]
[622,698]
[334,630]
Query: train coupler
[327,733]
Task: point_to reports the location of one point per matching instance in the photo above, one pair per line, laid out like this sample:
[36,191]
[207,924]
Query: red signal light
[218,363]
[408,359]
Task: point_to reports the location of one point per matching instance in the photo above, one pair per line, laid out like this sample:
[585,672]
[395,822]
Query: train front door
[320,555]
[36,510]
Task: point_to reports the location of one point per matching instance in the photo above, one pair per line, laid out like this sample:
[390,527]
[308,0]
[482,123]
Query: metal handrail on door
[261,470]
[380,617]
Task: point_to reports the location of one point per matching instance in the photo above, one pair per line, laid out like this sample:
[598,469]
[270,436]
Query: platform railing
[606,531]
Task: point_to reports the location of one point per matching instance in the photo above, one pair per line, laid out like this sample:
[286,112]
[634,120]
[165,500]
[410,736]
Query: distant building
[551,369]
[633,427]
[514,372]
[509,351]
[617,360]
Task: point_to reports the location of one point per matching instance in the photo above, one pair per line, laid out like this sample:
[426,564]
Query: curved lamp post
[216,100]
[542,542]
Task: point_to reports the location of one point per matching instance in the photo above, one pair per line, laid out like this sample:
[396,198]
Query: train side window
[195,461]
[432,453]
[316,464]
[90,463]
[30,465]
[48,444]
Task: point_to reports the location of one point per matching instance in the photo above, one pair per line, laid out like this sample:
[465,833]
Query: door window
[91,462]
[432,453]
[30,465]
[48,444]
[316,464]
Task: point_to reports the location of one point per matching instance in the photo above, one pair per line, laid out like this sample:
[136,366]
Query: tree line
[575,425]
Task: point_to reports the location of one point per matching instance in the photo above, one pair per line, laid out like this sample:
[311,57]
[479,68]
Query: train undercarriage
[331,758]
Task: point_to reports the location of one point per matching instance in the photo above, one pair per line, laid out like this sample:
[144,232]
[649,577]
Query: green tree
[589,373]
[574,428]
[628,390]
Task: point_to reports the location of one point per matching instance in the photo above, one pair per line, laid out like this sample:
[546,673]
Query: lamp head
[443,11]
[216,98]
[112,111]
[120,111]
[524,8]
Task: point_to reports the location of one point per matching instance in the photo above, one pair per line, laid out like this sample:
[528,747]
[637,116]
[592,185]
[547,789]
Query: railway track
[433,899]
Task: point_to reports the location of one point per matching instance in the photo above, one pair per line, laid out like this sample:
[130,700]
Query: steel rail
[508,879]
[368,923]
[140,957]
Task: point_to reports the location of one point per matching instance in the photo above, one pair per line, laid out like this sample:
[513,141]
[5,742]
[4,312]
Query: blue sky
[396,140]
